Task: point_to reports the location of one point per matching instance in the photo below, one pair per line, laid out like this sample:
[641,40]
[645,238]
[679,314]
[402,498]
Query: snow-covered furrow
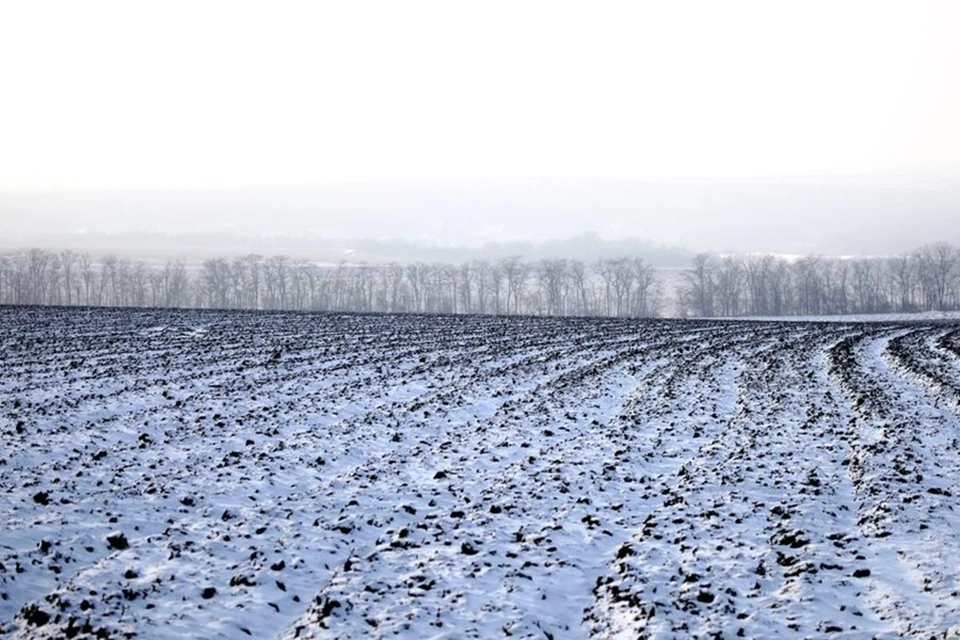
[917,355]
[743,539]
[515,498]
[224,474]
[904,465]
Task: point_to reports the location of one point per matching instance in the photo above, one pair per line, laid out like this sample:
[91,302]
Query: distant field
[224,474]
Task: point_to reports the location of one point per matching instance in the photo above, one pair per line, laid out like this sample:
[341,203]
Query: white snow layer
[215,474]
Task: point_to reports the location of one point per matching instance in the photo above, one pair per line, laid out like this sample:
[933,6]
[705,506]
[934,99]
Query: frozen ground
[920,316]
[203,474]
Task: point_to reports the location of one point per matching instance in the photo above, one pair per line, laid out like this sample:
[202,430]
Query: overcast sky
[174,95]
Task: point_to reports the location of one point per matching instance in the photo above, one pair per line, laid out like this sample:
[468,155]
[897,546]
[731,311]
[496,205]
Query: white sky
[208,94]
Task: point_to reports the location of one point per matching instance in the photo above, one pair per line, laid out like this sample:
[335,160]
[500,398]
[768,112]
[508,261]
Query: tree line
[713,286]
[626,287]
[927,279]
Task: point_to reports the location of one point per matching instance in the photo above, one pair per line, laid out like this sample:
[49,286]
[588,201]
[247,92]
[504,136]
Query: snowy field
[922,316]
[204,474]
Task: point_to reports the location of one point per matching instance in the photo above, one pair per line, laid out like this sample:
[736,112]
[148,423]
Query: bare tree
[606,269]
[577,271]
[516,274]
[758,270]
[4,276]
[552,278]
[647,290]
[277,279]
[937,266]
[462,283]
[729,286]
[484,279]
[701,283]
[215,283]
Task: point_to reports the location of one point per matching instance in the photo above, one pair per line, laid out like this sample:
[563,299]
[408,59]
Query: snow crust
[217,474]
[920,316]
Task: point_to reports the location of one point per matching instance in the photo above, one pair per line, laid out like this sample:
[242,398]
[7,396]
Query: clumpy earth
[224,474]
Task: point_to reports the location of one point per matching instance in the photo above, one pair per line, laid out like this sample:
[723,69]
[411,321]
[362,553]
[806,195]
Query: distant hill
[841,216]
[197,247]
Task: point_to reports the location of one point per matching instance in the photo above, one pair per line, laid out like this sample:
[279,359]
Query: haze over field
[845,216]
[812,127]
